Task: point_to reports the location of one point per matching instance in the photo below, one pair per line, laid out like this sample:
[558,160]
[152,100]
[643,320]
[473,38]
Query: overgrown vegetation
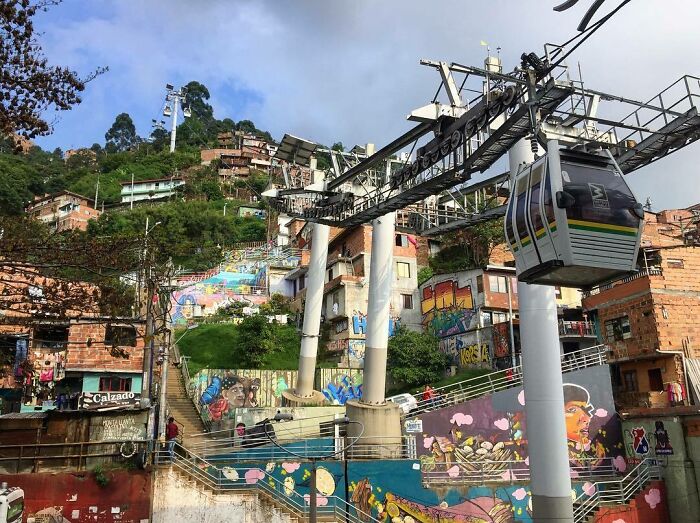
[101,477]
[414,358]
[469,248]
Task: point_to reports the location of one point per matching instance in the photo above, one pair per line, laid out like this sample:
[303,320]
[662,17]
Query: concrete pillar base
[382,437]
[290,399]
[550,509]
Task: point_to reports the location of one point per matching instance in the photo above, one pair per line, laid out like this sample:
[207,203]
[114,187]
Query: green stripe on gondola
[604,228]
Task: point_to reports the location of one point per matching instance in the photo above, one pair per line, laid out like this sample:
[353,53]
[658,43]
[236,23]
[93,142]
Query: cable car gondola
[572,220]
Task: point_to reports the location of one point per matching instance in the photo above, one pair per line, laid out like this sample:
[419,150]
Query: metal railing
[479,471]
[222,480]
[501,380]
[619,491]
[222,441]
[31,457]
[576,328]
[260,449]
[607,286]
[185,375]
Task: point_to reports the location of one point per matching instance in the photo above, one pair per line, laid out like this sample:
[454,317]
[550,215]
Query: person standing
[171,433]
[429,395]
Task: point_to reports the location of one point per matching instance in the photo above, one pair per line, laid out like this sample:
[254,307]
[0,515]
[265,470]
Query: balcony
[576,329]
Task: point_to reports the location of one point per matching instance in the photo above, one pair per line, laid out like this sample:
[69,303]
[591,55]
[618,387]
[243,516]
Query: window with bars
[618,329]
[115,384]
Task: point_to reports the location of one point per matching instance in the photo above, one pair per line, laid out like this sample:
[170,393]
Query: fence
[616,491]
[501,380]
[226,479]
[17,459]
[478,472]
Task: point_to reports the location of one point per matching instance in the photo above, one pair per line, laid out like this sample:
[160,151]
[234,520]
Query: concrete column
[378,305]
[544,395]
[312,315]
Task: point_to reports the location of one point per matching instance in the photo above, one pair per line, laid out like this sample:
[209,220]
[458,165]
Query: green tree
[246,126]
[122,135]
[258,339]
[196,96]
[414,358]
[338,146]
[277,304]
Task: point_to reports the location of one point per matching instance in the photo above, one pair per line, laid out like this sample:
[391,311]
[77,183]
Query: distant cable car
[572,220]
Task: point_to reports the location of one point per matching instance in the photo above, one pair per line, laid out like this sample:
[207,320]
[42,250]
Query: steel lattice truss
[464,137]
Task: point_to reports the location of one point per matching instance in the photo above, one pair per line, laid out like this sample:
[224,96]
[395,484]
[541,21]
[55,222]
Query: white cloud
[348,70]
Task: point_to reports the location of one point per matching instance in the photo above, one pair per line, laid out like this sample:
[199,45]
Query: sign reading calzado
[109,400]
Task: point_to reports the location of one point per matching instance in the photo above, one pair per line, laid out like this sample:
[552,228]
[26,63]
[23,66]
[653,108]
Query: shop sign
[109,400]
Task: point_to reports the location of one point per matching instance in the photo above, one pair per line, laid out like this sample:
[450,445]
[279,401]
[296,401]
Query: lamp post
[312,494]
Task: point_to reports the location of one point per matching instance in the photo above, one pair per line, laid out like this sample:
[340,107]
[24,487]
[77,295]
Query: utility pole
[173,100]
[97,189]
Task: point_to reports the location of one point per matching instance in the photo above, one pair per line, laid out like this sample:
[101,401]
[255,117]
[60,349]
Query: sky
[347,70]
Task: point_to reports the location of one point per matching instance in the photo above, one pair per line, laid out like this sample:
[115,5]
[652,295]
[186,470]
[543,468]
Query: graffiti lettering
[337,345]
[359,323]
[474,354]
[339,388]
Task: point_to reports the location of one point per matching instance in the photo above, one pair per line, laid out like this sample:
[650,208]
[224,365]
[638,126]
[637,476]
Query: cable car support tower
[422,182]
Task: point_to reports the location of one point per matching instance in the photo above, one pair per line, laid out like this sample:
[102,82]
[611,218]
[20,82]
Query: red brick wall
[639,510]
[97,356]
[130,492]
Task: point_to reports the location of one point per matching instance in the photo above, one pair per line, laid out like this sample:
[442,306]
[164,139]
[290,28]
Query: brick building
[346,289]
[648,318]
[63,211]
[48,363]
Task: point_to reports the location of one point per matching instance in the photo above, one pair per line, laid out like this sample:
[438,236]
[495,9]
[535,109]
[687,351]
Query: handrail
[478,471]
[616,491]
[221,480]
[501,380]
[261,450]
[607,286]
[185,374]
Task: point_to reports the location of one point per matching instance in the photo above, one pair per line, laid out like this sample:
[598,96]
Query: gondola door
[525,250]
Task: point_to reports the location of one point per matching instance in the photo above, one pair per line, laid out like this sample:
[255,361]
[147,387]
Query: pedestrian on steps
[171,433]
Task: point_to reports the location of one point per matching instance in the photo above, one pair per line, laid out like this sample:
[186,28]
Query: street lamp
[281,416]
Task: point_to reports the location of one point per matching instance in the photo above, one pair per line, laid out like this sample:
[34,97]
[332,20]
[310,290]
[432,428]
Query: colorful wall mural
[494,428]
[392,491]
[340,385]
[221,391]
[448,307]
[242,277]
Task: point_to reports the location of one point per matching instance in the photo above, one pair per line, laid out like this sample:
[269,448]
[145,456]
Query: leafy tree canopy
[122,135]
[414,358]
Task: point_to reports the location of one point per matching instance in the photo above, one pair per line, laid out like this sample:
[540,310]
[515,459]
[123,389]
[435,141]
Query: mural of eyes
[211,392]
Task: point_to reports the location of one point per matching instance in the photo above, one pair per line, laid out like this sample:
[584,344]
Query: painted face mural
[241,391]
[578,413]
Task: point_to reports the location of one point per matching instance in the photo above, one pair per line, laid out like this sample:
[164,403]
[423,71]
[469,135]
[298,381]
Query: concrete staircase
[180,406]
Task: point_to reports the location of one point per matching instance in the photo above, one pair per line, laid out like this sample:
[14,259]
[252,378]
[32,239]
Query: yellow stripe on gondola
[526,241]
[603,227]
[539,234]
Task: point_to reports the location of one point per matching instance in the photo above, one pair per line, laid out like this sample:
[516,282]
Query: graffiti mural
[448,308]
[359,323]
[501,340]
[356,354]
[494,428]
[220,391]
[341,385]
[467,350]
[391,491]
